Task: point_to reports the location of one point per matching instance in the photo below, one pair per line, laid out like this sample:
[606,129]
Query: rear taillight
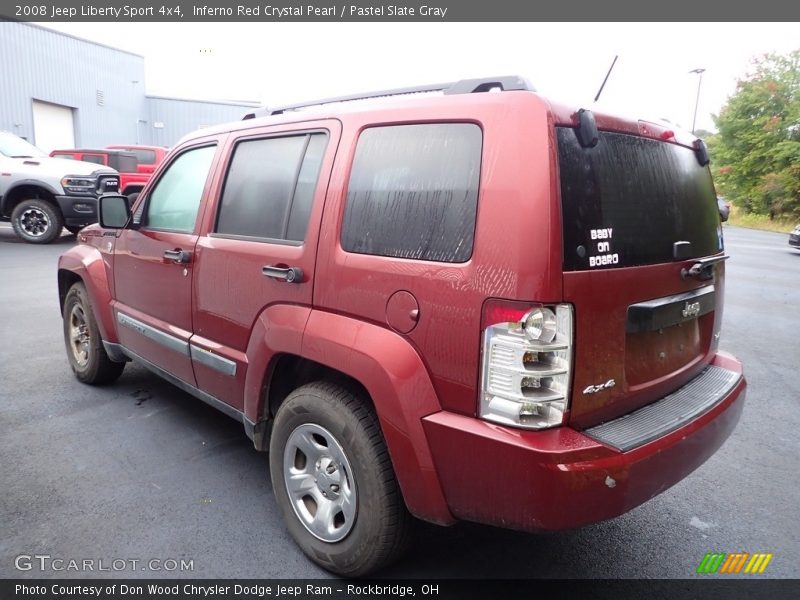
[526,364]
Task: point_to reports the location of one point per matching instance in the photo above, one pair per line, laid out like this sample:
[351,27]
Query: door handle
[178,256]
[288,274]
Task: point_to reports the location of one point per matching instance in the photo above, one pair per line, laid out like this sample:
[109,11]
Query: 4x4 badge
[593,389]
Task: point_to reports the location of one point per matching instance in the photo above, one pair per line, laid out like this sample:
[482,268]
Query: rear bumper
[561,478]
[78,210]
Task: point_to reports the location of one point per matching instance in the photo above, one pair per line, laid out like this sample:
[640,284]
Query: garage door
[52,126]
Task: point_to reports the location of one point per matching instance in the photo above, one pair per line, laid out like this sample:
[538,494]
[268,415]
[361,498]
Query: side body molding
[398,382]
[88,263]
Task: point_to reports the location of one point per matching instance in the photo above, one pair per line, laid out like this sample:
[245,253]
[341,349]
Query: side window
[145,157]
[174,202]
[413,192]
[270,187]
[93,158]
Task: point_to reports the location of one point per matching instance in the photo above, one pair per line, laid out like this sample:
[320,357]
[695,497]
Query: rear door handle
[288,274]
[178,256]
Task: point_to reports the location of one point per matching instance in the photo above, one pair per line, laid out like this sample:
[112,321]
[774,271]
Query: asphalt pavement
[139,470]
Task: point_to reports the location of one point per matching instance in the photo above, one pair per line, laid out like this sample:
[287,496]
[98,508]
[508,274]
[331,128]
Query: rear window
[124,163]
[626,202]
[270,187]
[143,157]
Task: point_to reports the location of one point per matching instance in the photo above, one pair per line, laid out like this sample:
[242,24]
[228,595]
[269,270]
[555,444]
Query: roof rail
[465,86]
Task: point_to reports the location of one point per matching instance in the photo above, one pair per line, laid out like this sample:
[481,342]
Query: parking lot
[141,470]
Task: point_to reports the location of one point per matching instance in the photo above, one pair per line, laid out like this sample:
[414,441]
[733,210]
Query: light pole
[697,100]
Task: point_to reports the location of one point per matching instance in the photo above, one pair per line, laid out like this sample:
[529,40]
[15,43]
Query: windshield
[14,147]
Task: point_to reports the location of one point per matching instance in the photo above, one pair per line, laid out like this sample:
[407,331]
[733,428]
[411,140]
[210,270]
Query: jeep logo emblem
[692,309]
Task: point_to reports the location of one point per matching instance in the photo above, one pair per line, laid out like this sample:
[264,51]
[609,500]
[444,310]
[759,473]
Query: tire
[73,229]
[37,221]
[330,441]
[85,350]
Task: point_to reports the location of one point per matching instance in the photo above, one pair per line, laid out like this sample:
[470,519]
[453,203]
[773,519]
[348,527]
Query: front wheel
[334,483]
[37,221]
[85,350]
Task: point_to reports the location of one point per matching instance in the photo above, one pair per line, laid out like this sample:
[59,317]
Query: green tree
[757,149]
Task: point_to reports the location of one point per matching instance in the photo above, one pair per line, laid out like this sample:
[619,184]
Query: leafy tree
[757,150]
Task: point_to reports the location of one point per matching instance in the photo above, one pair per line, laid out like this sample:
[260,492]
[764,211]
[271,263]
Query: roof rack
[504,83]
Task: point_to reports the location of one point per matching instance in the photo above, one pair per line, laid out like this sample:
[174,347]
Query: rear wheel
[334,483]
[37,221]
[85,350]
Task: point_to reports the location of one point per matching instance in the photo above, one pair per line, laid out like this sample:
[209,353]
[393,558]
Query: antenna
[600,91]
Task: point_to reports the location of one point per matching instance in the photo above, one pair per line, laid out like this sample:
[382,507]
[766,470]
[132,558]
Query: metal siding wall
[184,116]
[41,64]
[36,63]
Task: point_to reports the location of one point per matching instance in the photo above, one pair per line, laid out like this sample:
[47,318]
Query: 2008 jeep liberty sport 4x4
[477,306]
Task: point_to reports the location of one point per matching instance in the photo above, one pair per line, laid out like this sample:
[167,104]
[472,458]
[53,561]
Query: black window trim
[307,133]
[172,158]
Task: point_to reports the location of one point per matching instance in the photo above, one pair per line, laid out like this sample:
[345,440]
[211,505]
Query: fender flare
[277,330]
[87,263]
[33,182]
[397,380]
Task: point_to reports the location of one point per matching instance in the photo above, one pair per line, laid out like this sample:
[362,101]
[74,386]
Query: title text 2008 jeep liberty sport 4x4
[479,306]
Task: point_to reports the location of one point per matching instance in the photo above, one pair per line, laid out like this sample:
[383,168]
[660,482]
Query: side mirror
[115,211]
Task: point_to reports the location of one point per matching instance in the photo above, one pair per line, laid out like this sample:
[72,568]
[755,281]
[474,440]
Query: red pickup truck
[131,179]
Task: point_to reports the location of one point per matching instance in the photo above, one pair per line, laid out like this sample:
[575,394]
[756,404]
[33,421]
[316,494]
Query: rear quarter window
[413,192]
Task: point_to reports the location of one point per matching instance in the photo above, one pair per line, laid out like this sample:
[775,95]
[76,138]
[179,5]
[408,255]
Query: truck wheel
[334,483]
[85,350]
[37,221]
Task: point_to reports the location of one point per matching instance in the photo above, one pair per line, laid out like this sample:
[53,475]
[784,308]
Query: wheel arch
[24,190]
[85,264]
[383,368]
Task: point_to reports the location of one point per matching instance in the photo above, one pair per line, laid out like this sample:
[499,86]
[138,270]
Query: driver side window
[174,202]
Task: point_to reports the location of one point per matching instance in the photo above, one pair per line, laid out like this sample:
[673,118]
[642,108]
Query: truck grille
[107,184]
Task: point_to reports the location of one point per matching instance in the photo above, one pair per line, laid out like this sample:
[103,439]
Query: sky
[281,63]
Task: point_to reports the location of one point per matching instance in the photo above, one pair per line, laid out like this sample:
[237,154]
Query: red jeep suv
[457,306]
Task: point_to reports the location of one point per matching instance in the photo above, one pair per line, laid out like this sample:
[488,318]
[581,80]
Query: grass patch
[752,221]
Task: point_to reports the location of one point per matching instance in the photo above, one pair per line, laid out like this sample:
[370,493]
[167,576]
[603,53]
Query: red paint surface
[423,379]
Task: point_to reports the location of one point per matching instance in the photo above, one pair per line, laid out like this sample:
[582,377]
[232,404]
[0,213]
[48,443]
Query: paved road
[142,470]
